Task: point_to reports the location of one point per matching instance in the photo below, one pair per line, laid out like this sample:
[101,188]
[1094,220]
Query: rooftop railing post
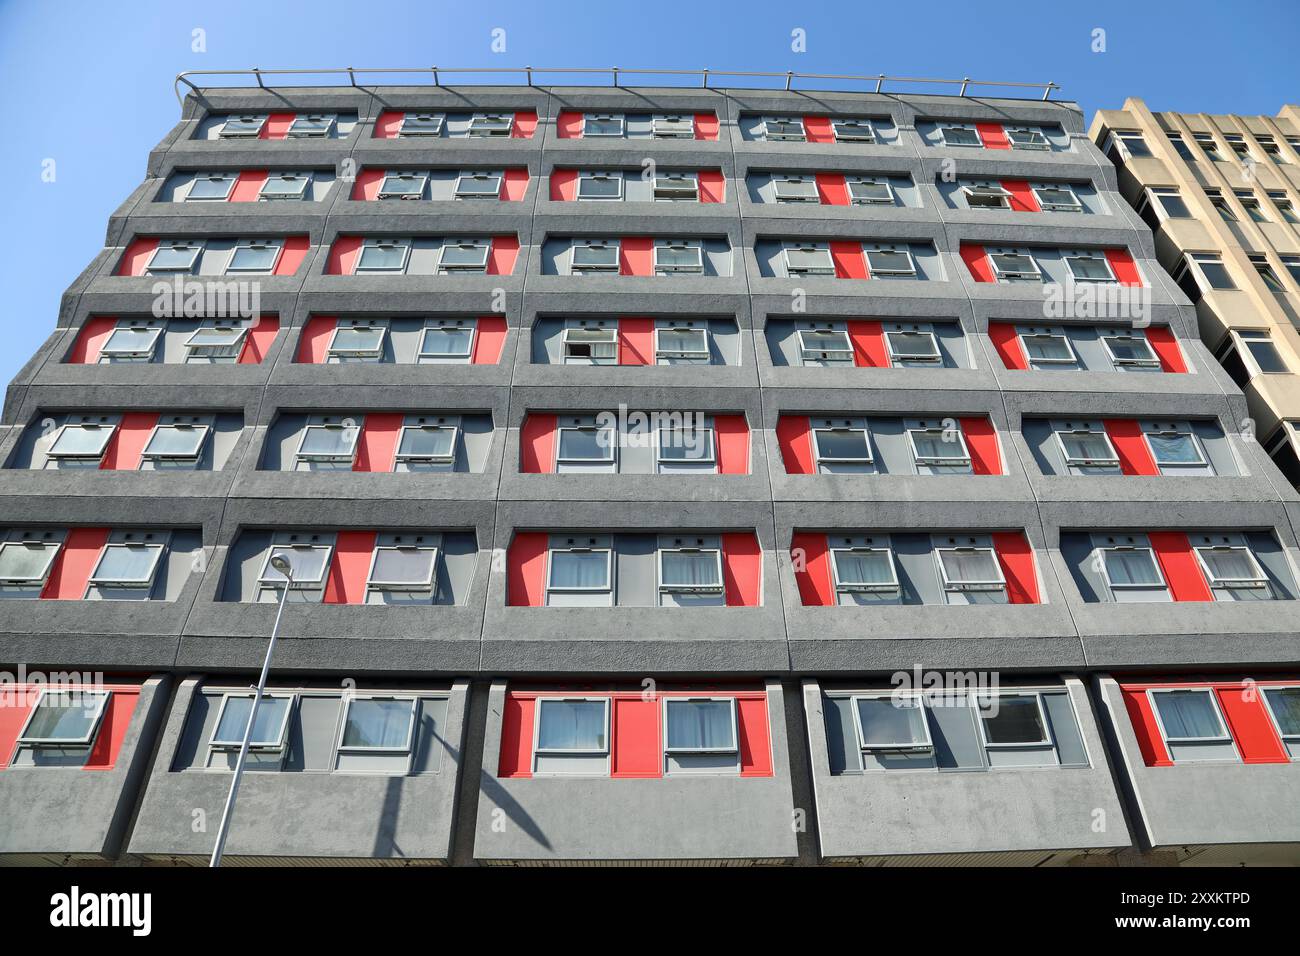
[435,77]
[964,83]
[352,76]
[705,75]
[528,72]
[789,78]
[1047,90]
[258,73]
[880,82]
[614,72]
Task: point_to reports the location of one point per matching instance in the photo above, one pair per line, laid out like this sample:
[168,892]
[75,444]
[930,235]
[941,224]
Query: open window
[970,569]
[312,126]
[598,125]
[938,447]
[464,256]
[283,185]
[786,129]
[1192,724]
[686,448]
[64,718]
[268,741]
[892,723]
[959,134]
[594,257]
[1176,450]
[447,344]
[1130,351]
[383,256]
[586,447]
[853,131]
[600,185]
[25,565]
[1283,705]
[175,444]
[1233,572]
[673,126]
[1046,349]
[580,573]
[215,343]
[1124,145]
[690,576]
[1246,353]
[79,444]
[242,127]
[1088,265]
[865,570]
[791,187]
[130,343]
[1012,720]
[403,184]
[843,448]
[808,259]
[377,733]
[1169,201]
[1027,137]
[890,262]
[308,563]
[426,448]
[682,345]
[1132,573]
[403,573]
[986,195]
[211,187]
[678,257]
[572,736]
[870,190]
[254,257]
[1015,265]
[676,187]
[327,446]
[174,256]
[491,125]
[1057,197]
[1087,451]
[912,347]
[480,184]
[421,124]
[700,735]
[589,345]
[356,342]
[127,564]
[827,346]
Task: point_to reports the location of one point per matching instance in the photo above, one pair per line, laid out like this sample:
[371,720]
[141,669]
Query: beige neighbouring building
[1223,196]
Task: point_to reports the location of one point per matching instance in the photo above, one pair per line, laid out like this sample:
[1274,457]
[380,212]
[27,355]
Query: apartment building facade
[666,474]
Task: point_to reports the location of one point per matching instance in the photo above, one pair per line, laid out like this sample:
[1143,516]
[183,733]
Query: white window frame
[103,696]
[1031,360]
[400,457]
[663,194]
[145,354]
[605,117]
[428,584]
[479,175]
[986,188]
[281,175]
[487,126]
[1135,335]
[1090,255]
[263,581]
[705,354]
[1225,737]
[404,175]
[918,701]
[467,356]
[804,350]
[593,359]
[1019,276]
[669,749]
[1034,131]
[800,137]
[201,429]
[542,701]
[454,268]
[256,244]
[863,587]
[1260,581]
[947,461]
[992,584]
[1046,740]
[1202,459]
[606,588]
[1158,584]
[332,351]
[403,244]
[314,133]
[890,199]
[1156,196]
[243,133]
[600,269]
[780,179]
[1049,206]
[51,549]
[1111,461]
[308,458]
[611,446]
[812,272]
[349,699]
[710,458]
[1268,705]
[662,588]
[102,427]
[935,358]
[858,125]
[229,177]
[402,131]
[657,132]
[232,349]
[592,175]
[969,127]
[820,457]
[194,246]
[873,271]
[691,245]
[154,548]
[264,746]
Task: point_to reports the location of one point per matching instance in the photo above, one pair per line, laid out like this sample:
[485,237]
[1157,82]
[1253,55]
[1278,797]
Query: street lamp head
[281,564]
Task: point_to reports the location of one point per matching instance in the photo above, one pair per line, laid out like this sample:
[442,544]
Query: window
[866,191]
[681,345]
[478,185]
[1168,200]
[1238,145]
[383,255]
[1266,273]
[1175,448]
[600,185]
[579,569]
[602,124]
[211,187]
[672,126]
[1058,197]
[1212,271]
[687,446]
[1027,137]
[491,124]
[285,186]
[938,446]
[986,195]
[784,129]
[955,134]
[970,569]
[1268,145]
[1181,147]
[1086,448]
[1126,568]
[311,125]
[1220,204]
[1015,265]
[700,726]
[792,188]
[678,257]
[446,343]
[308,563]
[1131,144]
[1048,349]
[825,347]
[864,570]
[242,127]
[127,564]
[215,343]
[26,562]
[177,442]
[269,727]
[402,568]
[85,441]
[571,728]
[1189,716]
[594,256]
[1259,346]
[690,571]
[421,124]
[1012,720]
[327,444]
[174,255]
[808,259]
[378,724]
[427,445]
[1284,704]
[253,256]
[1284,207]
[890,262]
[131,343]
[842,446]
[64,718]
[1292,264]
[582,445]
[853,131]
[913,348]
[1251,205]
[590,345]
[1207,143]
[403,185]
[674,187]
[1228,566]
[1130,350]
[1089,267]
[464,255]
[351,343]
[896,722]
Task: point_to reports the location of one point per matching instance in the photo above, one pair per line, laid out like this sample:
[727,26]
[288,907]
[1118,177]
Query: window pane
[488,185]
[266,728]
[970,566]
[571,725]
[1055,196]
[1089,446]
[1132,568]
[588,256]
[67,716]
[1089,267]
[843,444]
[1014,263]
[402,185]
[887,722]
[378,724]
[823,341]
[863,567]
[403,566]
[700,725]
[210,187]
[1215,274]
[427,443]
[285,186]
[1188,715]
[1174,448]
[1174,206]
[474,256]
[682,257]
[686,444]
[173,258]
[328,441]
[1229,564]
[683,340]
[1266,355]
[960,136]
[447,341]
[130,340]
[812,259]
[307,564]
[127,563]
[253,259]
[1012,720]
[357,339]
[214,338]
[600,187]
[25,562]
[1285,704]
[381,258]
[1048,348]
[1130,348]
[175,441]
[888,260]
[918,345]
[602,126]
[930,443]
[866,191]
[586,444]
[580,569]
[690,569]
[82,440]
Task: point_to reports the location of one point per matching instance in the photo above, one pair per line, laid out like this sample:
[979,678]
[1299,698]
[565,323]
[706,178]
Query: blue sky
[89,84]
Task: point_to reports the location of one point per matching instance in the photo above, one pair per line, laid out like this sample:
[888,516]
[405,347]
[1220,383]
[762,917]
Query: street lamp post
[281,564]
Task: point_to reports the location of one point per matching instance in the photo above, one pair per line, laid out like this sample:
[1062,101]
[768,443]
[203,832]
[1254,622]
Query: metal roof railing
[615,74]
